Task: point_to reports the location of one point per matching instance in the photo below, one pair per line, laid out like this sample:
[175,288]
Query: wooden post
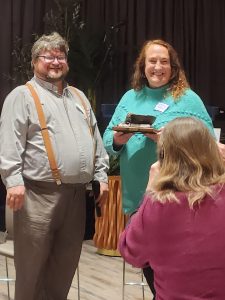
[109,226]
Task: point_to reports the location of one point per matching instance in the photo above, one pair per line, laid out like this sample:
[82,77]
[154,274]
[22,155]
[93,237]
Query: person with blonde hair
[179,227]
[159,89]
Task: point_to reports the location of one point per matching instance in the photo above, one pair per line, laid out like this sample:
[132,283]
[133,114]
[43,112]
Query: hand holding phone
[96,192]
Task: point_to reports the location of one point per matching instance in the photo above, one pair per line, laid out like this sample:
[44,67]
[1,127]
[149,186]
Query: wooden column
[109,226]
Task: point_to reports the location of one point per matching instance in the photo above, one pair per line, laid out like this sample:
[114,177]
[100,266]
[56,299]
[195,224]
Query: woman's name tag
[161,107]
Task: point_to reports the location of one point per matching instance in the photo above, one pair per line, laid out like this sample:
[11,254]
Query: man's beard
[55,77]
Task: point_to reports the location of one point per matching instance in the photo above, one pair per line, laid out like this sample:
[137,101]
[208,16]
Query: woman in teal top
[159,89]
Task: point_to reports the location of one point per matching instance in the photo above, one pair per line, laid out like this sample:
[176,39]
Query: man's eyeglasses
[51,59]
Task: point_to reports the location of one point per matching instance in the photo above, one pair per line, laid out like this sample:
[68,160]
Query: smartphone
[96,192]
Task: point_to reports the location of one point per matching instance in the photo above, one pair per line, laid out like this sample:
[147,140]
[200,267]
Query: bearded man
[49,202]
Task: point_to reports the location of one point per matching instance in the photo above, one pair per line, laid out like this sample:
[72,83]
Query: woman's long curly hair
[190,162]
[178,81]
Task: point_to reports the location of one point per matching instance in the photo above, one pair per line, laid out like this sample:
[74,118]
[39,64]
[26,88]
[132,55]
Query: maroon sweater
[185,247]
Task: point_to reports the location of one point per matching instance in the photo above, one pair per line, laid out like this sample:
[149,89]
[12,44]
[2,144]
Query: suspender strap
[87,117]
[45,135]
[85,109]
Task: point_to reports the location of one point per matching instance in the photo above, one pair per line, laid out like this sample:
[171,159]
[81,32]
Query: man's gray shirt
[22,151]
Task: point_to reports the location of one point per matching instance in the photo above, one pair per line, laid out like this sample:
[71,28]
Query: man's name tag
[161,106]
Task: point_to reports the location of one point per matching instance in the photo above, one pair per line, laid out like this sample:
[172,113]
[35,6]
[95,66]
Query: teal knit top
[139,153]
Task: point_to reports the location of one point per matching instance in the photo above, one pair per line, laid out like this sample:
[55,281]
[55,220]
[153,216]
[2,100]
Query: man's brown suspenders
[45,133]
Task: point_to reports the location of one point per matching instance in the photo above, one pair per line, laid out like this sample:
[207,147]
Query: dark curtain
[18,18]
[196,28]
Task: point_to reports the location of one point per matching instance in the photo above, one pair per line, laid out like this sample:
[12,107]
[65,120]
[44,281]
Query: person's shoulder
[130,95]
[148,200]
[191,95]
[79,93]
[151,206]
[220,189]
[191,100]
[20,90]
[146,204]
[75,90]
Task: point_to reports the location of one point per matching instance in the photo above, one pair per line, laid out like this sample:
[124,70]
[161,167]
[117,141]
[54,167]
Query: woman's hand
[222,150]
[154,170]
[120,138]
[154,136]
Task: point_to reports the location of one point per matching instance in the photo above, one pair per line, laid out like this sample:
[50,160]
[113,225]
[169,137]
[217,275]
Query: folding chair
[140,283]
[78,283]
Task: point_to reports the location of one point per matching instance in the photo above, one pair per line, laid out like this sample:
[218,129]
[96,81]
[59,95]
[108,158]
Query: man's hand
[104,190]
[15,197]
